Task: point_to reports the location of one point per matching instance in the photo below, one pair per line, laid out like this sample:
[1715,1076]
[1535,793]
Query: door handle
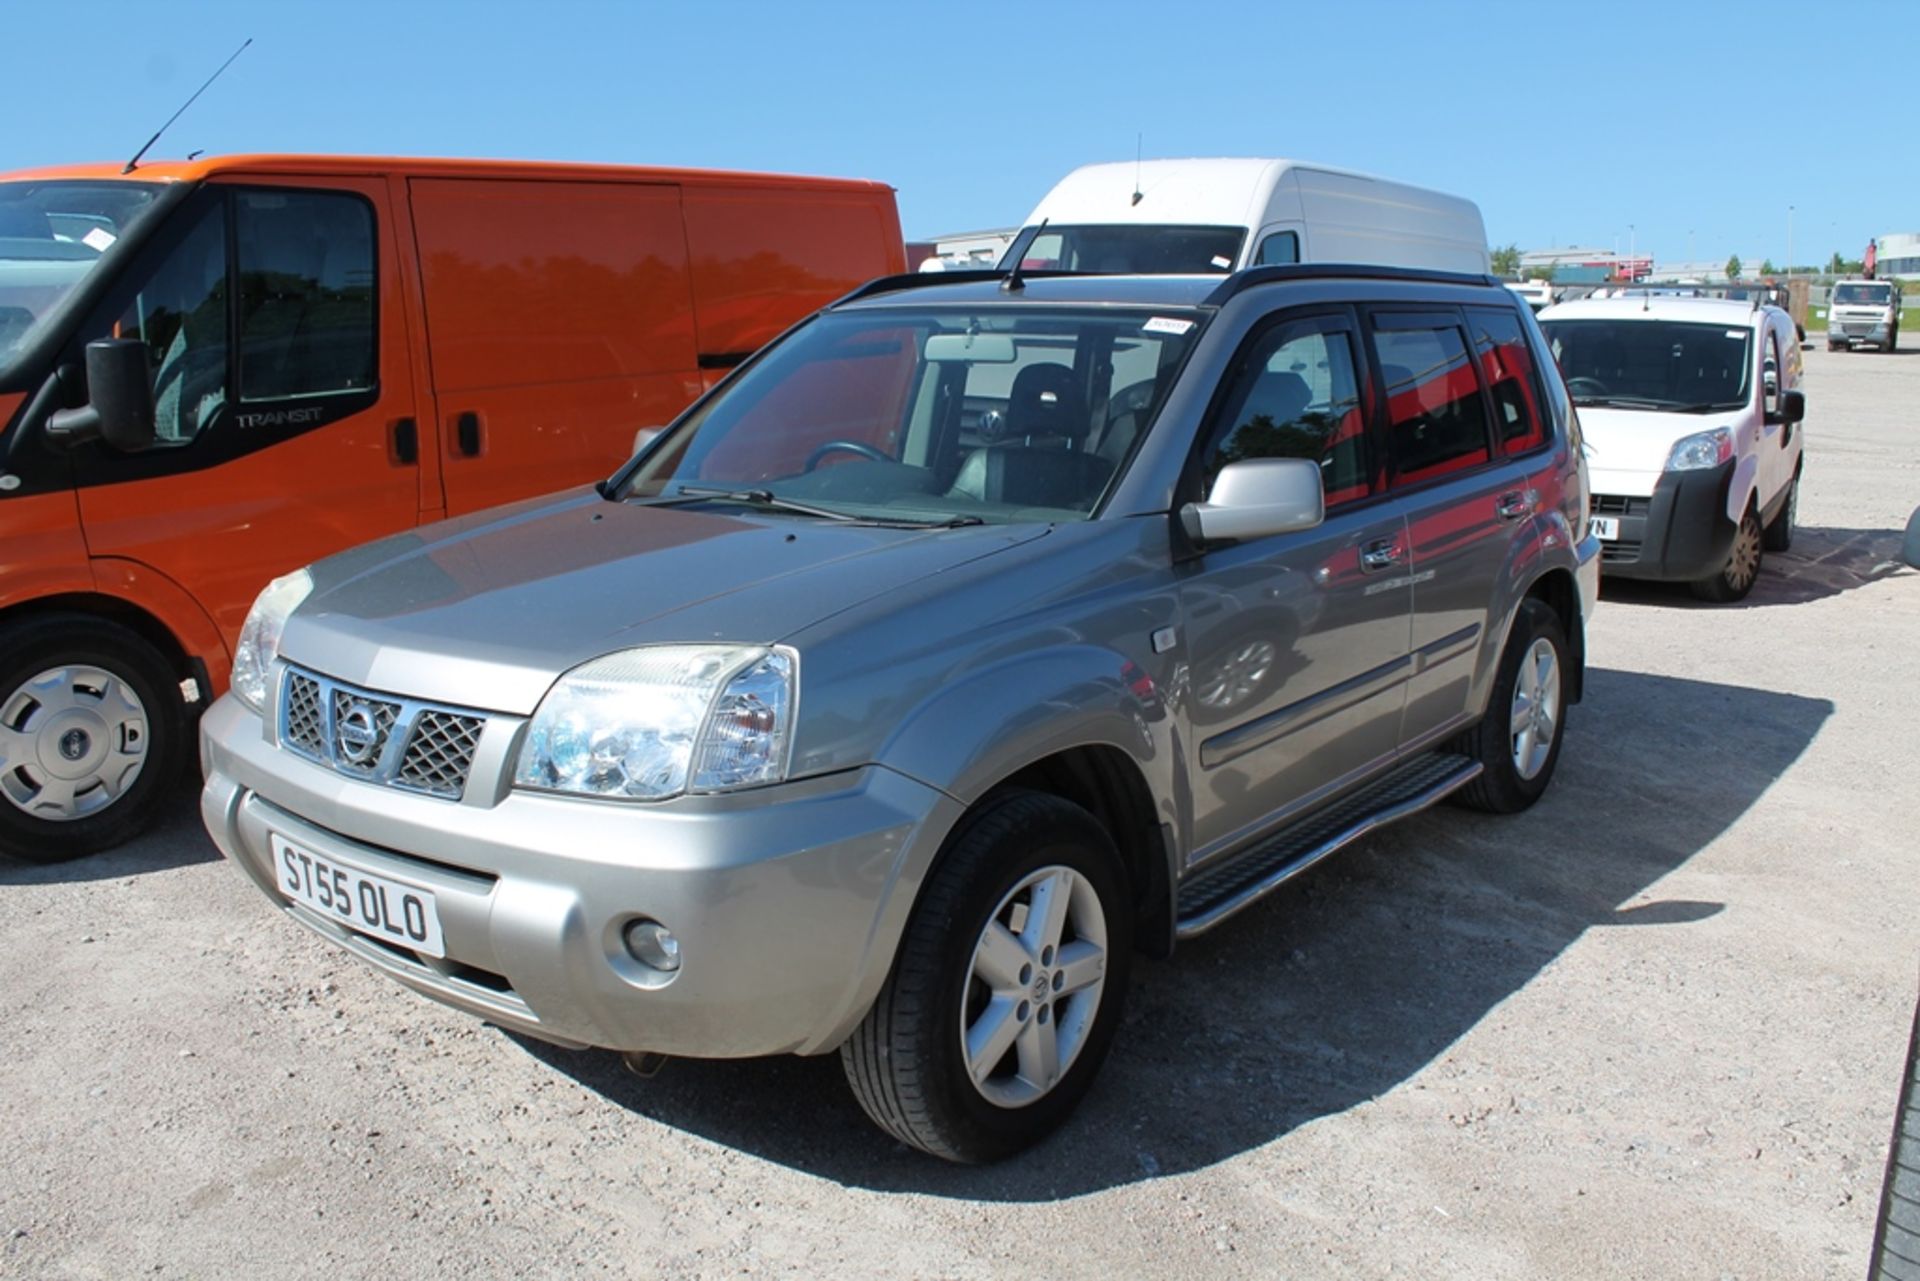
[406,442]
[466,433]
[1516,505]
[1384,554]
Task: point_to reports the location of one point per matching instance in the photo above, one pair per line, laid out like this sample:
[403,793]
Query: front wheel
[1778,535]
[1007,987]
[92,734]
[1518,741]
[1736,578]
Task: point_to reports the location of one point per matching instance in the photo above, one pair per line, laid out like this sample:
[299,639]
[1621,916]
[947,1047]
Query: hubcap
[1034,987]
[1743,564]
[72,741]
[1536,708]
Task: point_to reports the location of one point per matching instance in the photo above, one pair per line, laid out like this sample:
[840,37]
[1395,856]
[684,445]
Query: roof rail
[1278,273]
[927,279]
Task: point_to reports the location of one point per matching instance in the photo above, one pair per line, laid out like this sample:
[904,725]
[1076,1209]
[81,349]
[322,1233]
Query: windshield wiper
[768,499]
[1629,402]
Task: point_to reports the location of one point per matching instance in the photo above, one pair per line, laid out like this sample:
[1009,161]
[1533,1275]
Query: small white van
[1161,217]
[1691,411]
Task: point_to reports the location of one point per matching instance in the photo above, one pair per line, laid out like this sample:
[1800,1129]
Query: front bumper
[1858,331]
[1679,534]
[787,901]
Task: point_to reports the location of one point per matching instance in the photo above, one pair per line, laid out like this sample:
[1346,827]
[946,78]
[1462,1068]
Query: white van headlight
[260,636]
[646,724]
[1701,450]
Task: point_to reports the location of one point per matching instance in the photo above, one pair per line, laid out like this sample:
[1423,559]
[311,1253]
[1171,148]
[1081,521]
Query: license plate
[403,915]
[1605,527]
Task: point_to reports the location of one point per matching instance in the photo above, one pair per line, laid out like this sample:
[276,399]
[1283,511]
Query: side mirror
[1793,407]
[644,437]
[119,407]
[1256,498]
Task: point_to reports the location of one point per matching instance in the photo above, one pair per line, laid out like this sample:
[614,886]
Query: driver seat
[1045,465]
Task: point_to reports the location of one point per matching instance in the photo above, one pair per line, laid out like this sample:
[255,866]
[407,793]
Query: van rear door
[276,333]
[559,322]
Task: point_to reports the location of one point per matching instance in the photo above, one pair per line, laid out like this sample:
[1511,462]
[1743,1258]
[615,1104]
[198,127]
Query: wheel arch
[1559,592]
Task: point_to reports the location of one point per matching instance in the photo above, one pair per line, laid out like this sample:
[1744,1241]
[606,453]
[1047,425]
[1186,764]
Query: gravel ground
[1652,1028]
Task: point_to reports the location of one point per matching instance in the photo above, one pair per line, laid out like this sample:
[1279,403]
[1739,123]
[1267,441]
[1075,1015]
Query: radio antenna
[183,106]
[1138,195]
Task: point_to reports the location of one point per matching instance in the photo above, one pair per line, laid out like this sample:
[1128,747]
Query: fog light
[653,945]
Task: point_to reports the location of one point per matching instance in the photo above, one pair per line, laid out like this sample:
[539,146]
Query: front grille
[379,738]
[440,753]
[1614,505]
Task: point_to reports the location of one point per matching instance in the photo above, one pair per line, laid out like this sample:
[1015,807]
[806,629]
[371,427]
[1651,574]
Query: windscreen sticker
[98,239]
[1221,263]
[1736,333]
[1167,325]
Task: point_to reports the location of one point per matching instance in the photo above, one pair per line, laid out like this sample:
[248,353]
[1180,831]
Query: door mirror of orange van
[119,408]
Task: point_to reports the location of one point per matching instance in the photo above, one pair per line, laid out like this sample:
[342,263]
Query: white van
[1691,412]
[1863,311]
[1204,216]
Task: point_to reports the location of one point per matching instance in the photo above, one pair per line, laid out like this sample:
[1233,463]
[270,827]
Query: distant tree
[1506,261]
[1733,267]
[1767,268]
[1838,266]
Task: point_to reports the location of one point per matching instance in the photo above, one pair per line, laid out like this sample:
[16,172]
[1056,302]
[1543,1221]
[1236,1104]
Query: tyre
[1735,579]
[1007,987]
[93,733]
[1518,741]
[1835,346]
[1778,535]
[1893,339]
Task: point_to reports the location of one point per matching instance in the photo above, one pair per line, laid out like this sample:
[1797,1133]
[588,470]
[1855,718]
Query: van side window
[306,293]
[1280,247]
[1437,418]
[1296,396]
[180,313]
[1506,363]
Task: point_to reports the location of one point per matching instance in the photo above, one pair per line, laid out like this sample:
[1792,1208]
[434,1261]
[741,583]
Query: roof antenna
[183,106]
[1013,283]
[1138,195]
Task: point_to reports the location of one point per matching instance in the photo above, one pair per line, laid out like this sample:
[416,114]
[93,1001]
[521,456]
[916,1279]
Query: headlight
[647,724]
[260,636]
[1701,450]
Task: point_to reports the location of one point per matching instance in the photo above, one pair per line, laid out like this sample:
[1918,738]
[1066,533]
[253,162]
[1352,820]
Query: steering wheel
[1586,387]
[847,447]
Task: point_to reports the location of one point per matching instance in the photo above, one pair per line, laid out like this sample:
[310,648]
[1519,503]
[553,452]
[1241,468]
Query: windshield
[1871,295]
[930,415]
[1653,364]
[1131,251]
[51,235]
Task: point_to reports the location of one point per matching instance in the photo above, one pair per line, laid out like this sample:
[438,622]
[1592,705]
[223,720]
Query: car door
[284,401]
[1297,644]
[1464,497]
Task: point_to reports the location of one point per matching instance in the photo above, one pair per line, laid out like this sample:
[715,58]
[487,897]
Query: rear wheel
[92,735]
[1518,741]
[1735,578]
[1007,987]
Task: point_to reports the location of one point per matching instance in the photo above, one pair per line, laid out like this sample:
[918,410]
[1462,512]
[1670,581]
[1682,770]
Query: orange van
[215,371]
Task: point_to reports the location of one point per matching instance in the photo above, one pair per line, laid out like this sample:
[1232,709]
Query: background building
[1899,256]
[1586,266]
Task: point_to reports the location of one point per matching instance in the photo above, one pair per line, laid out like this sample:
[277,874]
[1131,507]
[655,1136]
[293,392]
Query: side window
[1296,396]
[306,287]
[1436,415]
[180,313]
[1506,363]
[1280,247]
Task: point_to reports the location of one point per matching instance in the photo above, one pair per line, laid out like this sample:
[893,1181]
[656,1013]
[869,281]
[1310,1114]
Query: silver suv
[975,635]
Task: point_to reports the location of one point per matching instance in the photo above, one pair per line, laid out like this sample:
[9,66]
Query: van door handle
[1516,505]
[406,442]
[1384,554]
[466,433]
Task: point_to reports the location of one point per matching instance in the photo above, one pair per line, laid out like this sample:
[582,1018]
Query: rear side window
[1506,363]
[1297,396]
[306,314]
[1436,416]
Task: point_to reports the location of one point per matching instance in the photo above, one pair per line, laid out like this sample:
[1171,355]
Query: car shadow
[177,839]
[1338,988]
[1824,562]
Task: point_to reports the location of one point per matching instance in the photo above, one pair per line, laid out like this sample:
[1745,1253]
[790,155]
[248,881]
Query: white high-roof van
[1186,216]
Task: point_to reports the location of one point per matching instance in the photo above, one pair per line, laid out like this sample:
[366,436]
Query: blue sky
[1685,121]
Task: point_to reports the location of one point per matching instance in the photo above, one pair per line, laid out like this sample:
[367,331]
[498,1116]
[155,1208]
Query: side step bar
[1215,894]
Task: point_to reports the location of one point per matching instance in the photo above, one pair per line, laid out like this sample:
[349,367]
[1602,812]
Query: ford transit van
[216,371]
[1217,216]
